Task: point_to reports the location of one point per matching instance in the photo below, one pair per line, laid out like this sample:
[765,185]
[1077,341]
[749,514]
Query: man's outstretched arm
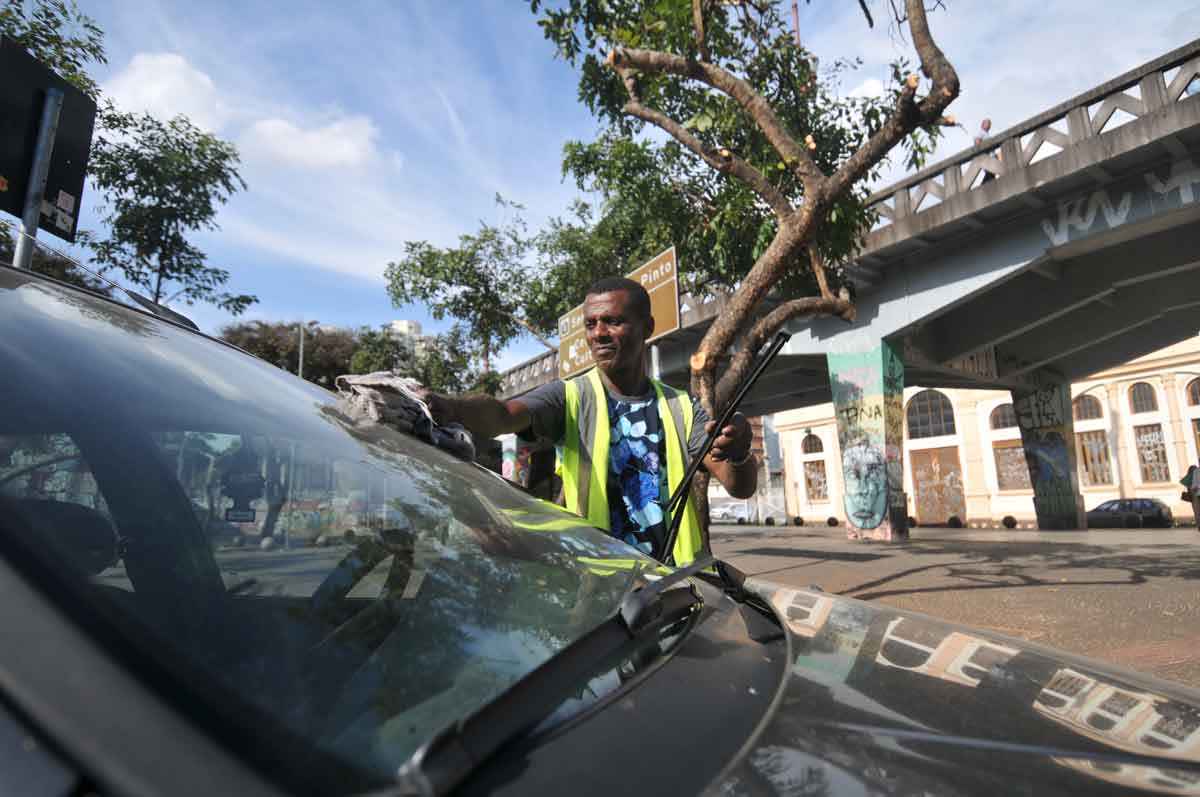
[483,416]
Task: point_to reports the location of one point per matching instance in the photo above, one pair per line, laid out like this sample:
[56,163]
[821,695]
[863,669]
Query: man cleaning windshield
[625,439]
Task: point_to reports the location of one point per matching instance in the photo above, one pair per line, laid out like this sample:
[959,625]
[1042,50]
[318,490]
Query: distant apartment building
[1137,429]
[412,342]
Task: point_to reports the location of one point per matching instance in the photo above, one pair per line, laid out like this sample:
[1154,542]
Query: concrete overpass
[1059,247]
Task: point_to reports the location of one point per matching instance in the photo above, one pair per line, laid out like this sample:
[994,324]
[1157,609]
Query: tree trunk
[158,281]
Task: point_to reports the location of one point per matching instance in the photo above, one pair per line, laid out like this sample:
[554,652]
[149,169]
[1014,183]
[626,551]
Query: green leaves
[162,181]
[482,281]
[56,32]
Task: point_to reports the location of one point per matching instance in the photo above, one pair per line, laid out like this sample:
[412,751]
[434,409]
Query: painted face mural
[865,472]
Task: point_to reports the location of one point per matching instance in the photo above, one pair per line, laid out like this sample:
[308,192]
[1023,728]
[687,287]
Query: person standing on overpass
[624,439]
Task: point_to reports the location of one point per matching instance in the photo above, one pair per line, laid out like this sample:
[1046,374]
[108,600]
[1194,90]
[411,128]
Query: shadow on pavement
[1009,565]
[801,553]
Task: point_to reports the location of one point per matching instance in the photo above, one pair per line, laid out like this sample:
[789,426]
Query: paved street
[1127,597]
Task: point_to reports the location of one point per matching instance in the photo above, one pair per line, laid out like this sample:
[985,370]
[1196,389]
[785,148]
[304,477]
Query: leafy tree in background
[378,350]
[159,180]
[445,364]
[482,281]
[328,352]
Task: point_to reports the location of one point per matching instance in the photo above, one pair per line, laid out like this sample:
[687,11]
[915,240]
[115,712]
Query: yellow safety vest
[584,462]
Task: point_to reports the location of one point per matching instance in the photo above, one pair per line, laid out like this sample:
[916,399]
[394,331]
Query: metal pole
[300,367]
[36,190]
[655,363]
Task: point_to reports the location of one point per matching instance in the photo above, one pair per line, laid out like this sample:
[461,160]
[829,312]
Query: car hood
[882,701]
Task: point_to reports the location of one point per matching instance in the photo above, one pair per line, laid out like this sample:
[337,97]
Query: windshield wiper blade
[446,760]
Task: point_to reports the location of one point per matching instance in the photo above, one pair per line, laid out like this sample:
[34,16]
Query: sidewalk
[1131,597]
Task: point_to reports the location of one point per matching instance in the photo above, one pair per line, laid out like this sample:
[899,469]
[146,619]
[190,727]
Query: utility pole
[35,191]
[796,19]
[300,367]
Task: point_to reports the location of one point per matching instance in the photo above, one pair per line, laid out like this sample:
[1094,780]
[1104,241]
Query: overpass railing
[1138,92]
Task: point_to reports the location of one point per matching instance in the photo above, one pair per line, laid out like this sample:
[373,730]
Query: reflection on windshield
[371,589]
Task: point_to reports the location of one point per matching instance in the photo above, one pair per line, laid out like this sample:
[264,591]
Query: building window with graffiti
[811,444]
[1012,472]
[1087,408]
[1152,453]
[930,415]
[1142,398]
[1094,464]
[1003,417]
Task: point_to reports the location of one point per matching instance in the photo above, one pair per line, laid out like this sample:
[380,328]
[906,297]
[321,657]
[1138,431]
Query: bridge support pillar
[1048,436]
[868,399]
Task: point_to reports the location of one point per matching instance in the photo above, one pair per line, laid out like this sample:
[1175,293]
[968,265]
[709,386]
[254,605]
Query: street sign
[660,278]
[23,84]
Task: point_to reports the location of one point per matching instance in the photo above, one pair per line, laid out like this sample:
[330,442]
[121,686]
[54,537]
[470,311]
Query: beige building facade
[1137,430]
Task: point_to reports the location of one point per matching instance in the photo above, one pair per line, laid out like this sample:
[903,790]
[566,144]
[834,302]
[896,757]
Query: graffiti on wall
[868,393]
[1130,200]
[1047,434]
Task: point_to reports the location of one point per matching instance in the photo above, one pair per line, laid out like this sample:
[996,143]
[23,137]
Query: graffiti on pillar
[867,396]
[1047,434]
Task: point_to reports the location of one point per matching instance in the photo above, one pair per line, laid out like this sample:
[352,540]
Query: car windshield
[344,588]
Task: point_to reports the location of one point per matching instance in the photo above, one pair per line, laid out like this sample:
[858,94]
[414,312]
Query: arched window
[811,444]
[929,415]
[1087,408]
[1142,398]
[1193,392]
[1003,417]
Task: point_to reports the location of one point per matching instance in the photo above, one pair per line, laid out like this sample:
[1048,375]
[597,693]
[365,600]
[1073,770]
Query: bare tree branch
[753,103]
[908,114]
[817,262]
[768,325]
[529,328]
[698,24]
[866,13]
[723,160]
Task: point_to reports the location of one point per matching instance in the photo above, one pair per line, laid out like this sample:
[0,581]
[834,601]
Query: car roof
[12,277]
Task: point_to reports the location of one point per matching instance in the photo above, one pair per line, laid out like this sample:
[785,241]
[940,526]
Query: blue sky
[367,123]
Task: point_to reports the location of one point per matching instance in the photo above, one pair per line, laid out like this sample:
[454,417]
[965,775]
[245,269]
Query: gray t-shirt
[637,474]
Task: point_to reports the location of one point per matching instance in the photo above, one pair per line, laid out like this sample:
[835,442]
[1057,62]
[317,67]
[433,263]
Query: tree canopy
[445,362]
[484,281]
[161,181]
[755,170]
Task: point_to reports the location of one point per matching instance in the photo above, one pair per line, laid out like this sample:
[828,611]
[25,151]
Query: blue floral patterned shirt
[637,469]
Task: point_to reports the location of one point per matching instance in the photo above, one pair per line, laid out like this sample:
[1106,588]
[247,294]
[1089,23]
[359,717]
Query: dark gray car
[1131,513]
[459,634]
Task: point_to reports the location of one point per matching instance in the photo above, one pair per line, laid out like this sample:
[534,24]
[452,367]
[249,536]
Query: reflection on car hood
[881,701]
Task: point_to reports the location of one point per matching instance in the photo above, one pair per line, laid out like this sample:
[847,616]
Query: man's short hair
[639,300]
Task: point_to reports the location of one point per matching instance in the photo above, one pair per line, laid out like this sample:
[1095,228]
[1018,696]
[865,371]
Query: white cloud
[871,87]
[166,84]
[345,142]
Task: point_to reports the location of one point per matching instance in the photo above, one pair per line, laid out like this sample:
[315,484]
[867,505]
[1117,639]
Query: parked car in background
[1131,513]
[730,512]
[474,640]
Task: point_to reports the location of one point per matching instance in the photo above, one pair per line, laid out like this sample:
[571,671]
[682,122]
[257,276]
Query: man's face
[616,334]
